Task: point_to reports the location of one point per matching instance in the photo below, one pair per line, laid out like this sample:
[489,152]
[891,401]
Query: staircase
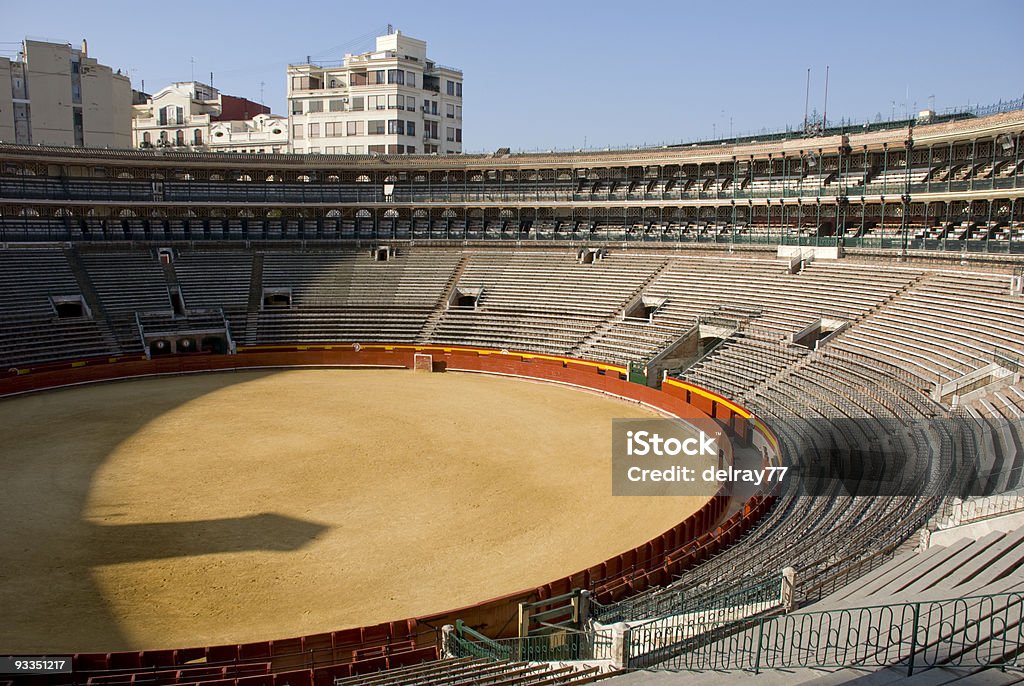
[92,298]
[255,305]
[430,325]
[609,324]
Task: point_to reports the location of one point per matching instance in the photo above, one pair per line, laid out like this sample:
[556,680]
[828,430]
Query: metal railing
[758,597]
[558,646]
[981,631]
[964,511]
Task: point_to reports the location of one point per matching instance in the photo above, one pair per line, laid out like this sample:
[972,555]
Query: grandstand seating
[479,671]
[548,301]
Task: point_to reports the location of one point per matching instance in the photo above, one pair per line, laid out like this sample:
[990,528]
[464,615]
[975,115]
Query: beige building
[60,96]
[393,100]
[197,116]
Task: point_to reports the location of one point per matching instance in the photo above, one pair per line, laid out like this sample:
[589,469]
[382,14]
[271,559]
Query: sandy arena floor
[233,507]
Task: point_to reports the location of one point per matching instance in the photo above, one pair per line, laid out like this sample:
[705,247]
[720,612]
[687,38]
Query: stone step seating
[834,394]
[541,301]
[216,280]
[555,282]
[27,341]
[991,564]
[788,302]
[547,333]
[944,327]
[27,280]
[127,282]
[340,279]
[336,325]
[743,362]
[1002,411]
[166,323]
[466,671]
[630,340]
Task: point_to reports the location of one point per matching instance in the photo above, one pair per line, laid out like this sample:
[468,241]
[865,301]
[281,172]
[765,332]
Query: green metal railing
[980,631]
[557,646]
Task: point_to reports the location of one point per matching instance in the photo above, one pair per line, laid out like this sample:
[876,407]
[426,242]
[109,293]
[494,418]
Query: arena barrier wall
[319,658]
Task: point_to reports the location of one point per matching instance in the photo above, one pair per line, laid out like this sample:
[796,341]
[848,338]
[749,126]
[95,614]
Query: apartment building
[53,94]
[393,100]
[196,116]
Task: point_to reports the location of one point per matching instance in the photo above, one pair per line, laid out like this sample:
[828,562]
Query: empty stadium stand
[905,333]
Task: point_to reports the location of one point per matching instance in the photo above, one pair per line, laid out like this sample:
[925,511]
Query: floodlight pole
[904,225]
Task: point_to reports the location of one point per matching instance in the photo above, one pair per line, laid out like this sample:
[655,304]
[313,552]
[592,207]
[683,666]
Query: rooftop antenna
[807,98]
[262,83]
[192,61]
[824,115]
[391,29]
[211,79]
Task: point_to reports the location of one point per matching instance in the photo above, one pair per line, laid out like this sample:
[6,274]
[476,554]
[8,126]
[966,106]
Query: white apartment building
[54,94]
[393,100]
[263,133]
[196,116]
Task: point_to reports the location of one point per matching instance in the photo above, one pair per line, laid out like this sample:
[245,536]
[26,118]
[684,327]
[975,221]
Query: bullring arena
[225,471]
[364,495]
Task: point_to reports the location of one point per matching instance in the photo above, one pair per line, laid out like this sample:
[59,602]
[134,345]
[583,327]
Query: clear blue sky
[558,74]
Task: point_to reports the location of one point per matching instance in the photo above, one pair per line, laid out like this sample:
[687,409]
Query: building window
[450,109]
[171,115]
[376,127]
[297,131]
[458,135]
[146,138]
[393,102]
[305,83]
[377,102]
[410,103]
[410,78]
[396,126]
[354,150]
[450,85]
[197,137]
[296,107]
[334,128]
[458,111]
[430,129]
[410,128]
[451,134]
[314,151]
[357,103]
[433,107]
[354,128]
[458,90]
[396,76]
[163,136]
[316,106]
[179,137]
[410,149]
[396,149]
[314,130]
[377,148]
[378,76]
[337,106]
[358,79]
